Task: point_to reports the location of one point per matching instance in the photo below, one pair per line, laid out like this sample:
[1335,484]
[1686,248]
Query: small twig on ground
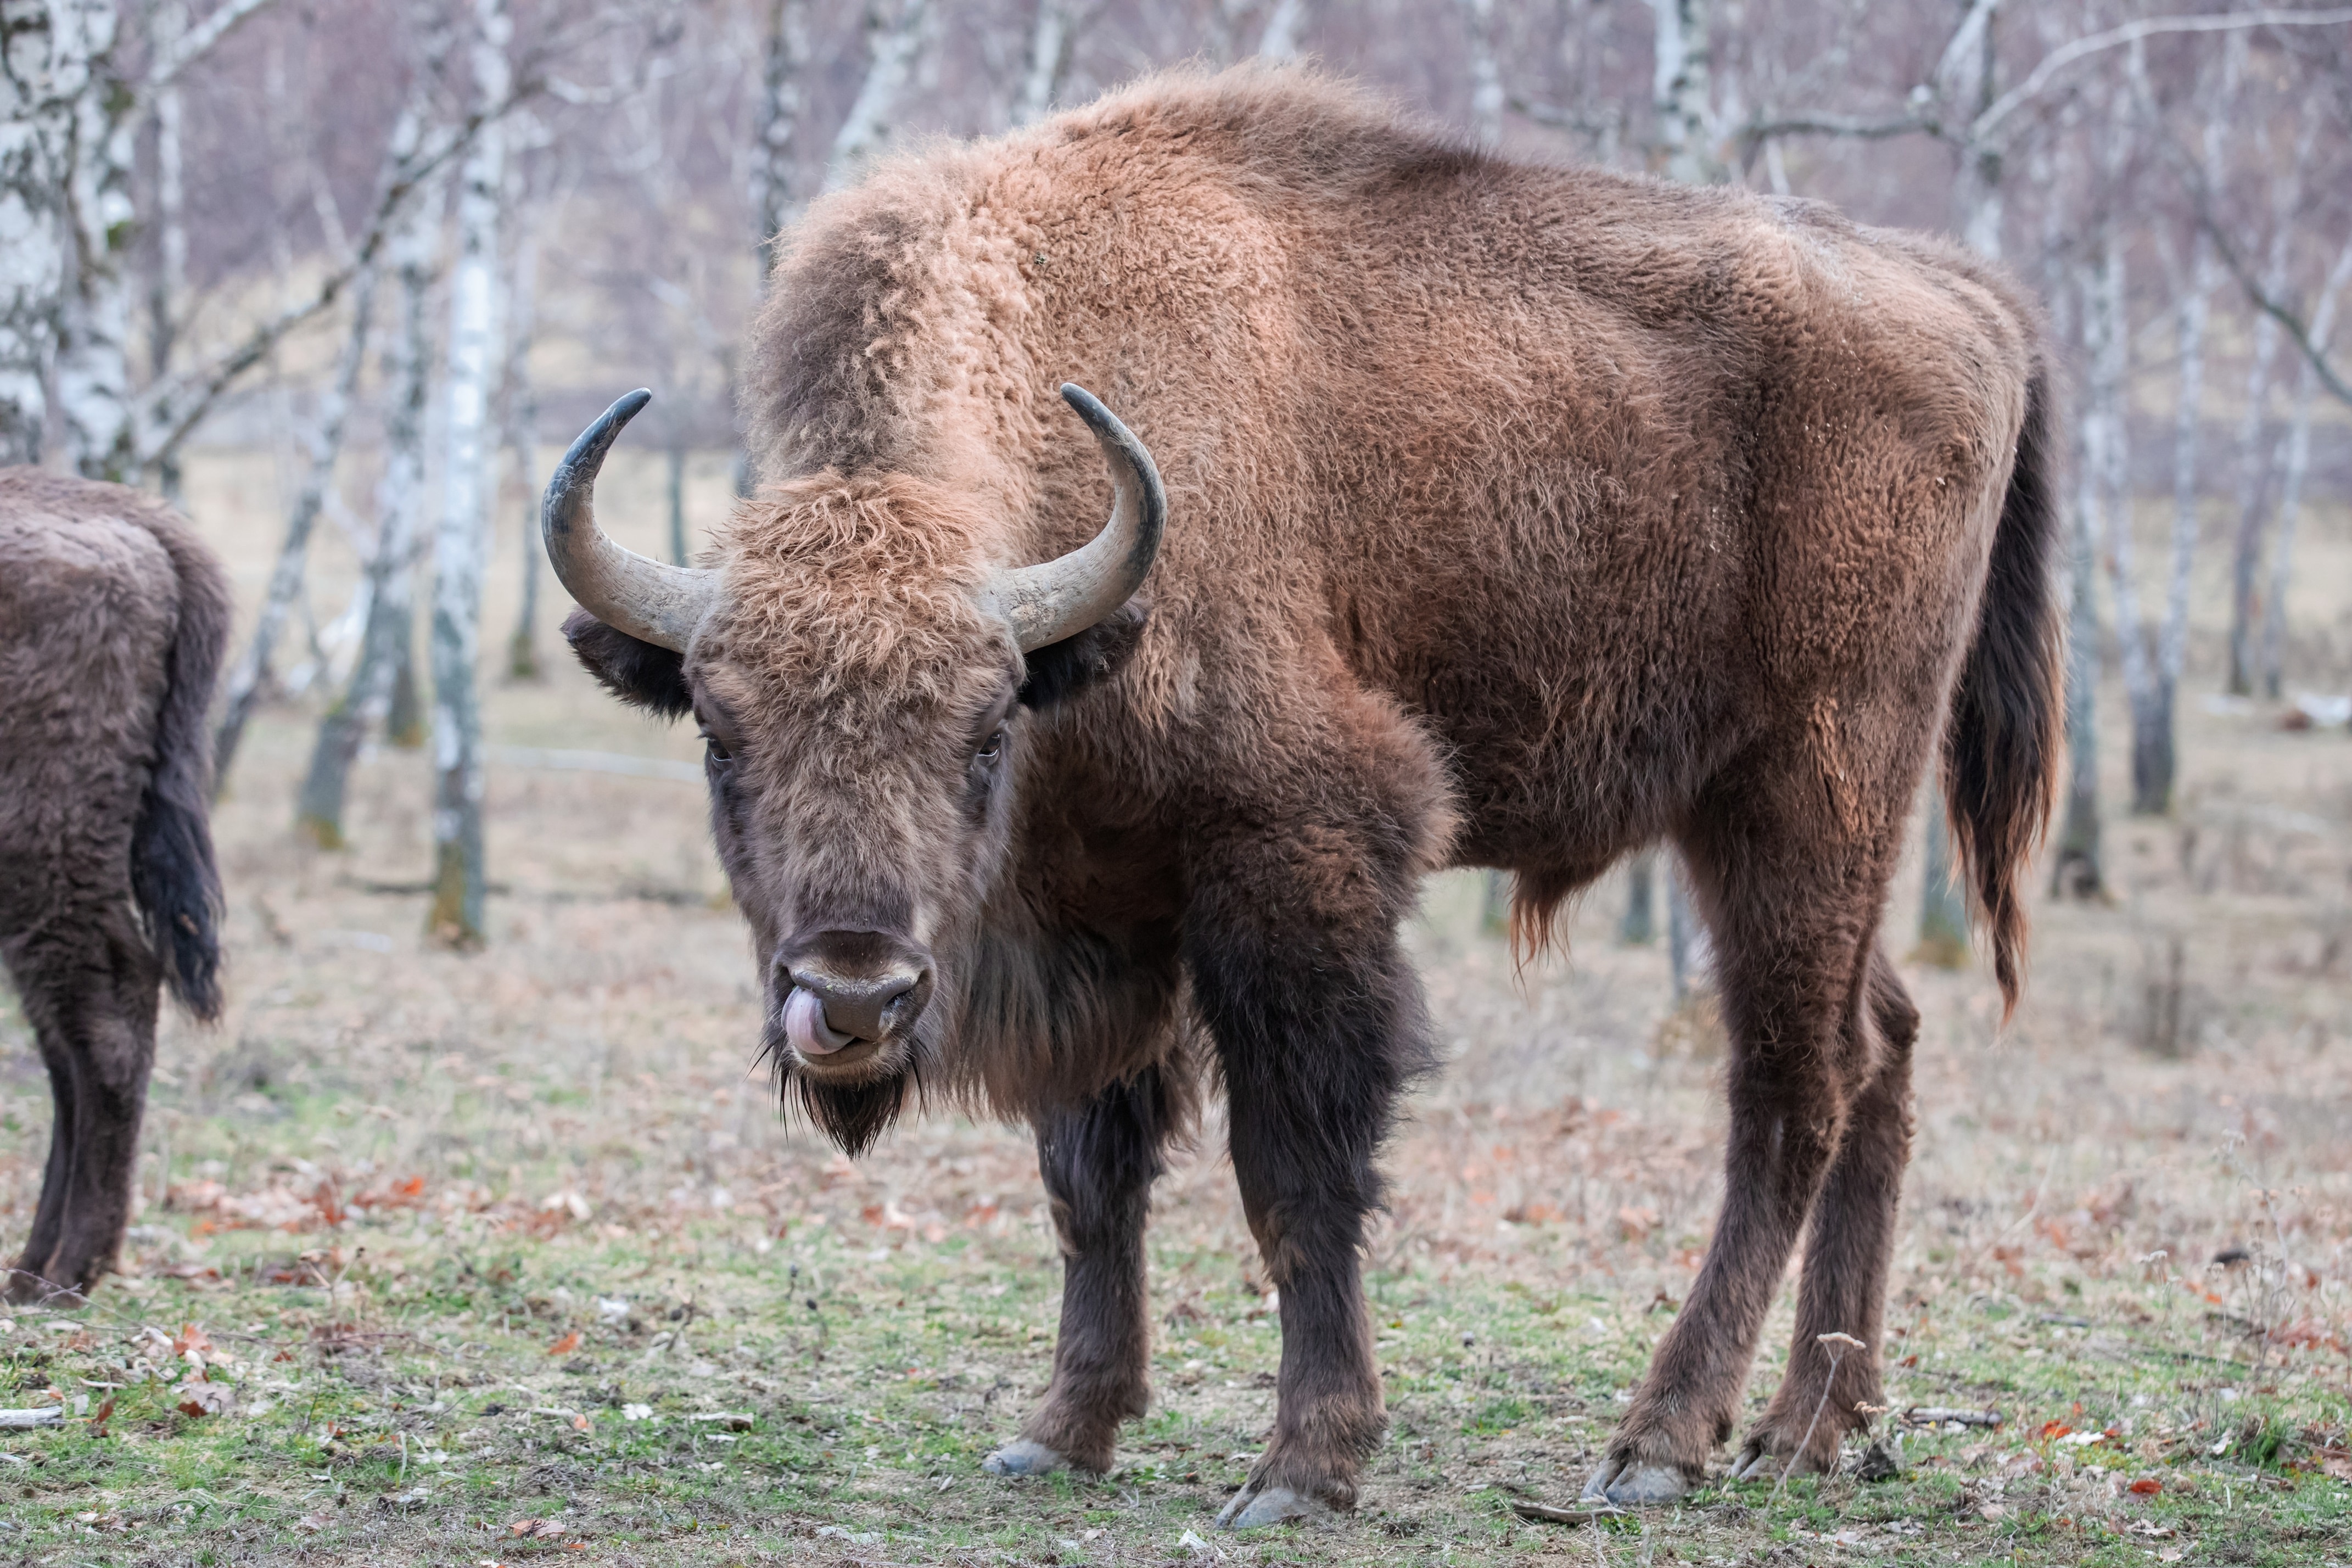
[1938,1414]
[1547,1513]
[1838,1345]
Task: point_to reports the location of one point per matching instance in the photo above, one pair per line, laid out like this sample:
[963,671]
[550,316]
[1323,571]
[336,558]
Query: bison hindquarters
[113,617]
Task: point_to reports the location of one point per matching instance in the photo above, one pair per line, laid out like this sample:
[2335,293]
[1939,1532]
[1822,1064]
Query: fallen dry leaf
[565,1345]
[2147,1486]
[535,1529]
[200,1398]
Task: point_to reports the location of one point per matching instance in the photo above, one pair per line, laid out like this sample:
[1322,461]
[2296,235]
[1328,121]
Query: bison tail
[172,873]
[2006,735]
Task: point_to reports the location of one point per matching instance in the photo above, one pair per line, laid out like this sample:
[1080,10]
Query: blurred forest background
[404,246]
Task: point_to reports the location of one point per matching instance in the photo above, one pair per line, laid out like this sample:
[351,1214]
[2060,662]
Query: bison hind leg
[1833,1382]
[91,990]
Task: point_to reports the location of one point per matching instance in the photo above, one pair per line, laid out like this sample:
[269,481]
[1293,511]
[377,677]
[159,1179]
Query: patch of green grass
[425,1398]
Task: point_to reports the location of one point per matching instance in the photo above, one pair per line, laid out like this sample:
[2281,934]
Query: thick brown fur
[112,620]
[1519,517]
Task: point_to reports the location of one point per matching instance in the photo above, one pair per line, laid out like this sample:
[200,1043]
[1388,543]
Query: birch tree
[521,433]
[460,542]
[388,642]
[38,82]
[251,674]
[1681,91]
[169,284]
[1053,40]
[1284,37]
[783,102]
[893,38]
[1486,71]
[105,108]
[2153,673]
[2271,652]
[2254,448]
[93,367]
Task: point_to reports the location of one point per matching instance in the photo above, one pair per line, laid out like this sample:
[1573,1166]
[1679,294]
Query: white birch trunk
[93,373]
[522,441]
[782,102]
[2297,467]
[891,46]
[387,645]
[37,82]
[252,672]
[2106,346]
[2255,451]
[1966,78]
[460,542]
[1485,72]
[169,286]
[1285,30]
[1681,91]
[2077,870]
[1053,39]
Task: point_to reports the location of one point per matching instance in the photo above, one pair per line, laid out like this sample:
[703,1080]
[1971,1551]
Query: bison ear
[1076,662]
[639,673]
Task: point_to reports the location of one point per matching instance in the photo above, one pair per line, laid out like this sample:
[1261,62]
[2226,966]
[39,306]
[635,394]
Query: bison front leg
[1100,1161]
[1315,1044]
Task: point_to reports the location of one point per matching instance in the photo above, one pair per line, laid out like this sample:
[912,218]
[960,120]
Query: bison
[112,617]
[1493,515]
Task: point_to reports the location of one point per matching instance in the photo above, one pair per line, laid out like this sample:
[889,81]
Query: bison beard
[1518,518]
[852,1115]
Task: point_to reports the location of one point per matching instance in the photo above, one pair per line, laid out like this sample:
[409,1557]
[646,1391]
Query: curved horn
[651,602]
[1061,597]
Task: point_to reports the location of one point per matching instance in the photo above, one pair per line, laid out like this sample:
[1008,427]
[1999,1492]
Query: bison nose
[849,986]
[864,1007]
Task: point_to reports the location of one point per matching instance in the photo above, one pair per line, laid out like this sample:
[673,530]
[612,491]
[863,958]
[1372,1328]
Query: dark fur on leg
[1098,1164]
[1848,1246]
[91,998]
[1315,1045]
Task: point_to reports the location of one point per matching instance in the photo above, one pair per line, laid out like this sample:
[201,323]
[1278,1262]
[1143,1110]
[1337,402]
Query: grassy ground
[478,1259]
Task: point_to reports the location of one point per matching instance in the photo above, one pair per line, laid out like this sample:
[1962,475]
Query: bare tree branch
[1557,119]
[197,42]
[2292,324]
[1986,125]
[1869,128]
[172,409]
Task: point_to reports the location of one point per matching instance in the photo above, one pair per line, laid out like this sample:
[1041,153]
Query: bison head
[857,670]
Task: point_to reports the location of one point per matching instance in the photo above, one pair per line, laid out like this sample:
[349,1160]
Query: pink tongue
[805,1027]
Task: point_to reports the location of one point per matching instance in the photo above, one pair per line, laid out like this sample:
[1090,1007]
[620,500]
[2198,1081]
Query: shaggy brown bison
[113,615]
[1515,516]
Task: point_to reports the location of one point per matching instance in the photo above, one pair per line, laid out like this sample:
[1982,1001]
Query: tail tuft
[2006,736]
[172,873]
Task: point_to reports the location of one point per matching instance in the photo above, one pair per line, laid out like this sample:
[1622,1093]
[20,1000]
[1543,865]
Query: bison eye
[716,748]
[990,748]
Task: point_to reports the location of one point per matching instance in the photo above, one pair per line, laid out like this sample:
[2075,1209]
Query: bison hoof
[1625,1484]
[1757,1462]
[1254,1507]
[1023,1459]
